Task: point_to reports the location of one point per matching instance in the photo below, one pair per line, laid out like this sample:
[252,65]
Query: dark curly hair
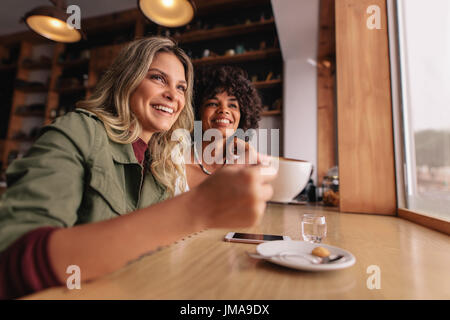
[213,80]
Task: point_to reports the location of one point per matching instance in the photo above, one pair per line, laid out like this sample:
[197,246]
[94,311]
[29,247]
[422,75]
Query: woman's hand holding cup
[234,197]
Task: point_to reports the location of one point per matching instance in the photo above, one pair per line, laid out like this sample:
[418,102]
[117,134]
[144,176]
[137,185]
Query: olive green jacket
[73,174]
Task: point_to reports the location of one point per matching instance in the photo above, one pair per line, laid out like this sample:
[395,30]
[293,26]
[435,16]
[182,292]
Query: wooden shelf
[36,66]
[74,63]
[224,32]
[30,114]
[8,67]
[71,89]
[36,89]
[271,113]
[110,22]
[247,56]
[267,84]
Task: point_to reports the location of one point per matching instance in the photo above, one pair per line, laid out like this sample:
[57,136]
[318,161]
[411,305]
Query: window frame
[406,179]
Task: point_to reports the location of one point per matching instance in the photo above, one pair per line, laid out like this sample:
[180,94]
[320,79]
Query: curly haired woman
[224,101]
[90,191]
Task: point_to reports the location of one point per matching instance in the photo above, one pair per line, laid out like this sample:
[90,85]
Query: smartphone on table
[253,238]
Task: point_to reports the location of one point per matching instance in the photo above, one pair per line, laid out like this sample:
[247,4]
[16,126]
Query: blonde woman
[90,190]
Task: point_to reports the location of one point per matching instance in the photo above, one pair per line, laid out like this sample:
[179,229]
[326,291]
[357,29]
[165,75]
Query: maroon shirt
[139,148]
[25,266]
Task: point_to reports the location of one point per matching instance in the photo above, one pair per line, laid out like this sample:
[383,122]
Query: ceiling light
[51,22]
[168,3]
[168,13]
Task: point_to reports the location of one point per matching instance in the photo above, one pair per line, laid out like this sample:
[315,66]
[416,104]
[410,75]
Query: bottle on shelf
[330,187]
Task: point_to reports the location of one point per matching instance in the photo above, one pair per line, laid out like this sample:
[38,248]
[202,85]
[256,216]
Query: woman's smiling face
[221,112]
[160,97]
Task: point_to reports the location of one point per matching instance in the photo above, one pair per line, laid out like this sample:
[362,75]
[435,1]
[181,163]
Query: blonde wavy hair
[110,102]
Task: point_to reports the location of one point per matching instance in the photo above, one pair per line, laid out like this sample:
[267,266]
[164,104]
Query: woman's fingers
[266,192]
[264,159]
[245,153]
[236,195]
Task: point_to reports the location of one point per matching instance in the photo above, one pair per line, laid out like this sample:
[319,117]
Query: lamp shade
[168,13]
[51,23]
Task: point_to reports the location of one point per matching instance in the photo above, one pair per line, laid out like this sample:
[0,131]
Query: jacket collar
[121,153]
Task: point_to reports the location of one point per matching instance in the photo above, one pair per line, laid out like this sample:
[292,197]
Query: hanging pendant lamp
[51,22]
[168,13]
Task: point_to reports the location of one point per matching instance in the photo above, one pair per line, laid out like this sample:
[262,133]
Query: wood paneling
[365,137]
[326,106]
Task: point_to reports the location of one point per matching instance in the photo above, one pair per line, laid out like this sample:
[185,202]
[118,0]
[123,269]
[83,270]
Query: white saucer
[302,247]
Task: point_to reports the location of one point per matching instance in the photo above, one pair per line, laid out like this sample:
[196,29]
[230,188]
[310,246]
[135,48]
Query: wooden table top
[414,262]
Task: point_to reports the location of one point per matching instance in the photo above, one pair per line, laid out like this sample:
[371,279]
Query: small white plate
[302,247]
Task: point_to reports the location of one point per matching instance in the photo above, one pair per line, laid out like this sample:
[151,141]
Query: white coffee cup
[293,175]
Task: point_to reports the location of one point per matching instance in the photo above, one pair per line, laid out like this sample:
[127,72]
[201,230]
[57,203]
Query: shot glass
[314,228]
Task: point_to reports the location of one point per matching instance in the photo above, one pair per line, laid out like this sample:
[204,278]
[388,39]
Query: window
[424,64]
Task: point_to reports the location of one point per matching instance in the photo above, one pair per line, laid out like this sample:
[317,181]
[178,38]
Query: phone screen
[264,237]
